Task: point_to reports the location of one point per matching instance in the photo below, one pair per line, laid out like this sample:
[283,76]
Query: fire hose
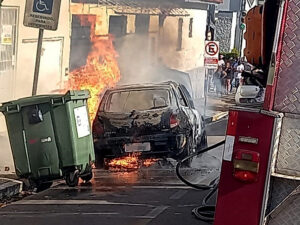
[205,212]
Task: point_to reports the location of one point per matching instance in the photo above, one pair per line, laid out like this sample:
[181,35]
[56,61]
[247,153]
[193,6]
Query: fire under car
[154,120]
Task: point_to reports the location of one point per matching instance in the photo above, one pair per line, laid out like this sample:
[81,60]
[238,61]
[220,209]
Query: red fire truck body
[260,176]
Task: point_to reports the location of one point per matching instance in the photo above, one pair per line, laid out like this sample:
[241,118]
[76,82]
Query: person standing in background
[240,68]
[223,79]
[221,61]
[217,81]
[228,78]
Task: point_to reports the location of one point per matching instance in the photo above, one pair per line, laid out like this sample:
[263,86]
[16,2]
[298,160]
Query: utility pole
[242,8]
[0,9]
[1,14]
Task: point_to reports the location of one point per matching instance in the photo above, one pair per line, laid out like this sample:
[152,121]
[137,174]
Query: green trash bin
[50,137]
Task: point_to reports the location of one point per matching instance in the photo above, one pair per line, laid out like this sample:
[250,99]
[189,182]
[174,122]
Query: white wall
[233,29]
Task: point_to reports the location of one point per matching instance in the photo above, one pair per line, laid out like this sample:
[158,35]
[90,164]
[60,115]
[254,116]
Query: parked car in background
[155,120]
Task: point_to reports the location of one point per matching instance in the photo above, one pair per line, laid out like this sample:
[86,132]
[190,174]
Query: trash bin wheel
[87,177]
[72,179]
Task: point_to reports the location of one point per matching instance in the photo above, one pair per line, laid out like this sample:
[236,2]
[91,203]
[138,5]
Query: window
[179,39]
[139,100]
[187,95]
[182,100]
[142,24]
[191,27]
[118,25]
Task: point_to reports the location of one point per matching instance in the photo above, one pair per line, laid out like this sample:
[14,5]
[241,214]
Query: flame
[131,162]
[101,70]
[149,162]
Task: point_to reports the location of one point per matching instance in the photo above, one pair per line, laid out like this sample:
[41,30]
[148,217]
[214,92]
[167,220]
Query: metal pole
[1,14]
[37,62]
[205,92]
[243,7]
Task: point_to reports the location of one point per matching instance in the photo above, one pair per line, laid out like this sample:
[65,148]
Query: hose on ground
[205,212]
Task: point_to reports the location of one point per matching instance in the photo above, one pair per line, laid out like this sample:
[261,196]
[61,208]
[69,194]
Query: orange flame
[131,162]
[101,70]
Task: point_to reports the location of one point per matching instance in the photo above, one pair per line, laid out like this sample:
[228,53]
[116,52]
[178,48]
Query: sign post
[42,14]
[37,62]
[211,60]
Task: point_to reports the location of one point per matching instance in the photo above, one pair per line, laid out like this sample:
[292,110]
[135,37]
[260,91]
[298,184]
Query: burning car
[154,120]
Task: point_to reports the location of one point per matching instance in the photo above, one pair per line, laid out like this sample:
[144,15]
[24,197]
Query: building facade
[228,30]
[168,37]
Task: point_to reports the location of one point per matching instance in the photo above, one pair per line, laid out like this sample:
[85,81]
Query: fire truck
[260,174]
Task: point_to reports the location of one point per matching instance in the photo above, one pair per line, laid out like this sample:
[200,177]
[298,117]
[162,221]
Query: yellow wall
[192,54]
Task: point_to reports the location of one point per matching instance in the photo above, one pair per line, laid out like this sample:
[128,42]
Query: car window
[188,96]
[139,100]
[182,99]
[102,102]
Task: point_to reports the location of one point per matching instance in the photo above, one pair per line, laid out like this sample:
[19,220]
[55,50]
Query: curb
[9,188]
[216,117]
[219,116]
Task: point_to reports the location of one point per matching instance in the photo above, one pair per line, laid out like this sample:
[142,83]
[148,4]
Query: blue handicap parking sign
[43,6]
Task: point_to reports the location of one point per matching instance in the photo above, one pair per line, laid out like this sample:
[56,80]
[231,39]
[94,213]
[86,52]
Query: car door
[194,115]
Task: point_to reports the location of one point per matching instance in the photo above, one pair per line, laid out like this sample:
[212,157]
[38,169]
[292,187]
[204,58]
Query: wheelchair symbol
[41,6]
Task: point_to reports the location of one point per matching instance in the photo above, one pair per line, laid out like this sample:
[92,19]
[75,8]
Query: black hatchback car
[154,119]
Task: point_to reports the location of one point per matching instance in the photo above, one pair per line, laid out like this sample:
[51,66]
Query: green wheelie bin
[50,138]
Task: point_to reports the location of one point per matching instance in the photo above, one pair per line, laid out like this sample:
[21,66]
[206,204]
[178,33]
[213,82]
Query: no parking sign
[211,55]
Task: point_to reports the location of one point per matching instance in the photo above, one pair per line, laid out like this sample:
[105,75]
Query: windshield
[138,100]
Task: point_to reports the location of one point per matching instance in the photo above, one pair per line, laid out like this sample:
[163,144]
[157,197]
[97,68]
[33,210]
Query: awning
[204,1]
[145,7]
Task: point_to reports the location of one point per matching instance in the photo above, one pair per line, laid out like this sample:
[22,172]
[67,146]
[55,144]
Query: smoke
[140,62]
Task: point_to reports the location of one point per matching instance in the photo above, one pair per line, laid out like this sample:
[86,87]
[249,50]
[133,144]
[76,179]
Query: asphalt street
[148,196]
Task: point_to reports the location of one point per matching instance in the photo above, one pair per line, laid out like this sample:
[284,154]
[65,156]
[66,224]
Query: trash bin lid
[16,105]
[77,95]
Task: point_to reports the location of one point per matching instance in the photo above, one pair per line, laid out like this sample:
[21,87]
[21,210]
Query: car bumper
[161,144]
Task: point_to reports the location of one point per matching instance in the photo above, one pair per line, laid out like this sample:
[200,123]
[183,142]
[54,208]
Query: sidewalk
[216,107]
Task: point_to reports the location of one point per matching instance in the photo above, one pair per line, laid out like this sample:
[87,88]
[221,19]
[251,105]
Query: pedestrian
[234,71]
[228,78]
[223,79]
[221,61]
[240,68]
[217,81]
